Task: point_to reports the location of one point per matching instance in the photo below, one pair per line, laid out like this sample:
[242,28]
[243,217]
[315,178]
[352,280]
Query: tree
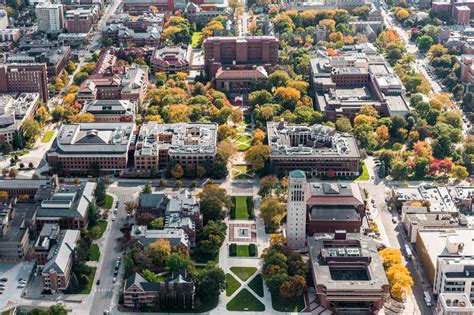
[30,129]
[130,206]
[5,172]
[200,171]
[424,42]
[158,252]
[293,287]
[100,192]
[421,167]
[442,146]
[271,211]
[92,214]
[288,97]
[12,173]
[80,77]
[81,118]
[382,172]
[400,280]
[402,14]
[3,195]
[460,172]
[211,237]
[343,124]
[258,156]
[258,136]
[390,256]
[156,224]
[278,78]
[147,188]
[210,283]
[213,200]
[7,148]
[259,98]
[382,134]
[225,131]
[177,171]
[400,170]
[177,262]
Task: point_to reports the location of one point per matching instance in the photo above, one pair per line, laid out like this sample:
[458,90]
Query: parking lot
[13,272]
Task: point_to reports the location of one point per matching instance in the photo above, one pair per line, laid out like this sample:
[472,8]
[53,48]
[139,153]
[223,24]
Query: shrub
[232,213]
[250,209]
[233,249]
[252,250]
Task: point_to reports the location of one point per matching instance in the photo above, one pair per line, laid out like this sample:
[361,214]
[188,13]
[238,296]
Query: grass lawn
[243,272]
[243,142]
[257,285]
[94,253]
[96,233]
[287,305]
[47,136]
[245,301]
[90,276]
[195,39]
[241,127]
[365,173]
[231,284]
[241,210]
[243,251]
[109,200]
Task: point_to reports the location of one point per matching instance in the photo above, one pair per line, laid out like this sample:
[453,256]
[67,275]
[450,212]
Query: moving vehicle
[98,282]
[394,219]
[408,250]
[427,298]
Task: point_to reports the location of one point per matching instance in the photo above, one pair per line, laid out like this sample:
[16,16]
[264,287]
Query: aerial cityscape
[236,156]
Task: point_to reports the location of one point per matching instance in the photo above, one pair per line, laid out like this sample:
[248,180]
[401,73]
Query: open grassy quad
[240,172]
[257,285]
[245,301]
[241,210]
[244,273]
[243,142]
[288,305]
[48,135]
[231,284]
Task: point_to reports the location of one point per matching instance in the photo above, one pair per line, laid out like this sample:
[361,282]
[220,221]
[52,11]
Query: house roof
[258,73]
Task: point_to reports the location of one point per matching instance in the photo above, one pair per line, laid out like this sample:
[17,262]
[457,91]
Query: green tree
[100,192]
[257,156]
[156,224]
[177,262]
[424,42]
[30,129]
[278,78]
[210,283]
[421,167]
[400,170]
[93,214]
[147,188]
[7,148]
[271,210]
[213,200]
[343,124]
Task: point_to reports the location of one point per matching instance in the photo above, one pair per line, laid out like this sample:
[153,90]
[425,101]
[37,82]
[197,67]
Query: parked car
[98,282]
[394,219]
[4,279]
[20,286]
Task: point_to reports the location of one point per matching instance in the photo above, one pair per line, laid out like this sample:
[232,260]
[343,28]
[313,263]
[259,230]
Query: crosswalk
[104,289]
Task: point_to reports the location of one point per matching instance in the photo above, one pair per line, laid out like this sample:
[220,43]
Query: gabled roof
[60,260]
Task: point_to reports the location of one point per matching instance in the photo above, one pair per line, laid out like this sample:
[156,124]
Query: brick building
[171,60]
[251,50]
[239,80]
[86,146]
[111,110]
[347,273]
[58,269]
[80,20]
[142,6]
[49,238]
[24,78]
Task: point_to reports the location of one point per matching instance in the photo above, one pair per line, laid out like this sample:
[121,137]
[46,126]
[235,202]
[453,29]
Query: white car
[113,218]
[20,286]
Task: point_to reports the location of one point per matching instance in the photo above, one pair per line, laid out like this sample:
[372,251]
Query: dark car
[98,282]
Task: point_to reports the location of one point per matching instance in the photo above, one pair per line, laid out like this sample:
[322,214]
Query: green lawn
[243,251]
[257,285]
[243,142]
[241,210]
[109,201]
[365,173]
[97,229]
[90,276]
[231,284]
[47,136]
[287,305]
[195,39]
[94,253]
[241,127]
[243,272]
[245,301]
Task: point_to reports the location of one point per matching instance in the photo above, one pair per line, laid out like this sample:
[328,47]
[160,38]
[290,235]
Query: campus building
[55,58]
[81,19]
[188,144]
[50,17]
[317,150]
[122,35]
[347,273]
[58,269]
[82,147]
[31,77]
[14,112]
[175,292]
[111,110]
[341,85]
[226,52]
[171,59]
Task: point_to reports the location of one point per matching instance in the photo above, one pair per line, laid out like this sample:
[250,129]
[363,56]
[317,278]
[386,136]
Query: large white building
[296,216]
[50,17]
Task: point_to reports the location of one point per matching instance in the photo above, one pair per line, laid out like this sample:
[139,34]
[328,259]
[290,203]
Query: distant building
[138,23]
[413,222]
[238,80]
[16,77]
[10,35]
[142,6]
[317,150]
[462,15]
[347,273]
[296,205]
[454,303]
[64,204]
[50,17]
[173,293]
[16,221]
[125,36]
[171,60]
[111,110]
[85,146]
[13,113]
[187,144]
[251,50]
[58,269]
[80,20]
[56,58]
[18,187]
[177,238]
[201,15]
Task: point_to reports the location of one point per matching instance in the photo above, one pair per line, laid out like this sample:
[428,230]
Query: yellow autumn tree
[81,118]
[402,14]
[401,282]
[382,134]
[390,256]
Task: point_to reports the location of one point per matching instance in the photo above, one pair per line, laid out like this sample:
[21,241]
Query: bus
[408,250]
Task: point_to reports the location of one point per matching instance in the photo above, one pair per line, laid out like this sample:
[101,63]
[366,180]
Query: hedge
[233,249]
[250,210]
[252,250]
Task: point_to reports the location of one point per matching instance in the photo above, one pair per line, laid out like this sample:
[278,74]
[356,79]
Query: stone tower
[296,216]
